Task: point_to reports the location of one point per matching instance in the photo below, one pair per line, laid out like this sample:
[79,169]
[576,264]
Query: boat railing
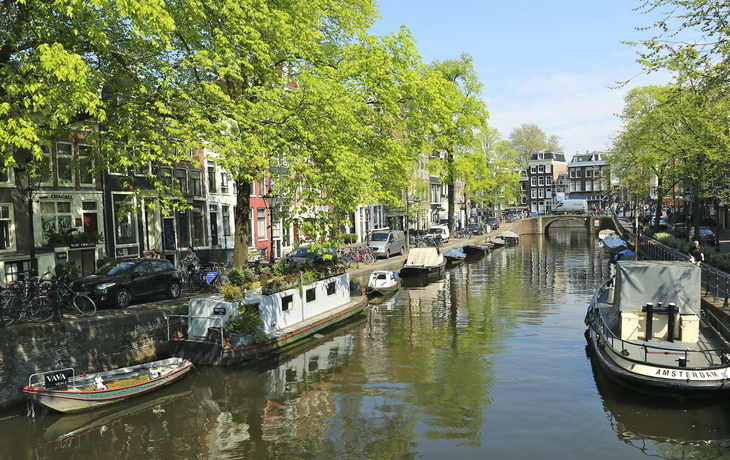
[67,375]
[610,338]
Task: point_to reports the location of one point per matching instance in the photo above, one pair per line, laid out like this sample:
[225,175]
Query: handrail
[607,334]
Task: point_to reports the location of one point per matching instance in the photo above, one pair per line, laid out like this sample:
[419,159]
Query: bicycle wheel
[12,309]
[40,309]
[197,282]
[84,305]
[369,258]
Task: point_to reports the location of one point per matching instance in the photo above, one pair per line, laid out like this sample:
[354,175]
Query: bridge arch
[540,225]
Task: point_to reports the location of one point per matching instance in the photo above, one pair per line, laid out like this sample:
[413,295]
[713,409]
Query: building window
[65,163]
[533,181]
[577,174]
[196,182]
[533,193]
[226,220]
[166,176]
[55,217]
[548,169]
[212,183]
[224,182]
[86,165]
[541,193]
[533,170]
[589,172]
[541,181]
[6,220]
[589,186]
[541,169]
[15,270]
[184,229]
[548,180]
[261,223]
[125,232]
[181,181]
[198,227]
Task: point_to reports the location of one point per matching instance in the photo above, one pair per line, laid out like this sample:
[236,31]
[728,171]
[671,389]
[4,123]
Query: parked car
[122,281]
[707,236]
[663,224]
[493,223]
[304,254]
[476,228]
[387,242]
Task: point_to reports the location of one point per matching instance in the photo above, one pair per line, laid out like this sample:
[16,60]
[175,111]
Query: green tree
[528,138]
[458,113]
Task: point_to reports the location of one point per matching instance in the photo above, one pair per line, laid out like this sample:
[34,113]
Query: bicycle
[462,233]
[72,300]
[26,298]
[363,254]
[209,279]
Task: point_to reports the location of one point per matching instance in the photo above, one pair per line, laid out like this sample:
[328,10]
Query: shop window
[56,217]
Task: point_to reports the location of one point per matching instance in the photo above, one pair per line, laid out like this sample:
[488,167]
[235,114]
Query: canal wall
[109,340]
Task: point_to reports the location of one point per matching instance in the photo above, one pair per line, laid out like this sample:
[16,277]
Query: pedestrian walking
[696,256]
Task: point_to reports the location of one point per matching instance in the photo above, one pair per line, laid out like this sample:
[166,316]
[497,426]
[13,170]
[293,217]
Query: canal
[488,363]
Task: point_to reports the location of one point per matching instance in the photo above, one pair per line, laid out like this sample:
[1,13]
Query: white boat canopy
[639,282]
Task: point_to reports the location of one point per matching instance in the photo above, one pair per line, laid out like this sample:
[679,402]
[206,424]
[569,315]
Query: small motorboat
[497,242]
[423,262]
[608,234]
[383,283]
[64,391]
[625,254]
[510,237]
[477,250]
[647,331]
[455,256]
[614,246]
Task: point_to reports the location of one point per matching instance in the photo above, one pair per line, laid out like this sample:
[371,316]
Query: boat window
[311,295]
[287,302]
[331,288]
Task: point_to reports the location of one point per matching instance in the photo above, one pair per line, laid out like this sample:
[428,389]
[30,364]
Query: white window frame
[10,219]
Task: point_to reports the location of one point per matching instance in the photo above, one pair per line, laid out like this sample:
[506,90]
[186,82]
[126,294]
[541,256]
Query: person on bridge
[696,256]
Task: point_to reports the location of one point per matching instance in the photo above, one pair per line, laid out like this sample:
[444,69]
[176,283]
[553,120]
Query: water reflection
[486,361]
[673,427]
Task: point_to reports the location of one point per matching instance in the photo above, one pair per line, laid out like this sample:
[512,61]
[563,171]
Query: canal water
[487,363]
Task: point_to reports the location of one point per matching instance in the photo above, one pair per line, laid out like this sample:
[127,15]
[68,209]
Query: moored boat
[64,391]
[510,237]
[614,246]
[423,262]
[646,331]
[455,256]
[287,316]
[497,242]
[477,250]
[383,282]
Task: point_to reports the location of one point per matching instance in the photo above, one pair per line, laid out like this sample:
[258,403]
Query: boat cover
[641,281]
[424,257]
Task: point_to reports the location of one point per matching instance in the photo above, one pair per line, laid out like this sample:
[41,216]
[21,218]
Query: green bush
[349,238]
[248,322]
[236,277]
[68,272]
[231,293]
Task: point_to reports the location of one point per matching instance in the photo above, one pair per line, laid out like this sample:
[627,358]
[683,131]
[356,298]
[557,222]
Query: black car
[493,222]
[121,281]
[306,254]
[475,228]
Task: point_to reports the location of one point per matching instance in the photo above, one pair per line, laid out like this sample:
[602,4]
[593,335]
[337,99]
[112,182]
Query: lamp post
[23,180]
[270,205]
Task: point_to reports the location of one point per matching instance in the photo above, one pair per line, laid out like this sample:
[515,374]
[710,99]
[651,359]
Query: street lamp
[270,205]
[24,181]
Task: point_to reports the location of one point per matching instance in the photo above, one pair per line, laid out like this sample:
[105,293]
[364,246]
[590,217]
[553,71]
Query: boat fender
[99,383]
[227,343]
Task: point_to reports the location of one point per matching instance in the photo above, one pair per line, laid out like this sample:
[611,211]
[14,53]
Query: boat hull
[647,378]
[416,272]
[228,353]
[75,400]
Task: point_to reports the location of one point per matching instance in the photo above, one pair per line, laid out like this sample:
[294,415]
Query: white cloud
[581,108]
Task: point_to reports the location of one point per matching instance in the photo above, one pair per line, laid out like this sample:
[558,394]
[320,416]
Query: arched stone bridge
[540,225]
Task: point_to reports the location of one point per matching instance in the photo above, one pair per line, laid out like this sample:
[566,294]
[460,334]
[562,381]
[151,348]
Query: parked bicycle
[462,233]
[354,255]
[71,300]
[23,299]
[211,278]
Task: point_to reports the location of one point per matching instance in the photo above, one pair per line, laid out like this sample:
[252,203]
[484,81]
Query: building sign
[219,310]
[84,244]
[55,196]
[61,256]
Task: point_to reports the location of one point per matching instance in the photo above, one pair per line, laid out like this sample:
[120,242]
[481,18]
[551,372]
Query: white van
[571,207]
[385,242]
[442,230]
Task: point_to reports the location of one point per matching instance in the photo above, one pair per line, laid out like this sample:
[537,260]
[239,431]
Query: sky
[552,63]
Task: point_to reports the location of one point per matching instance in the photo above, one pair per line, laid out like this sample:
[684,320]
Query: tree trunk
[242,222]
